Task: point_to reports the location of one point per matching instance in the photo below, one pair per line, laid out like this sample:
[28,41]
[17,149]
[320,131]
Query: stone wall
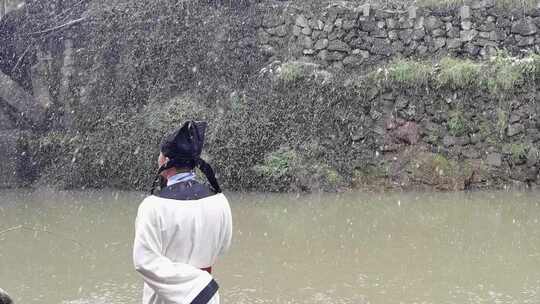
[453,140]
[327,127]
[344,34]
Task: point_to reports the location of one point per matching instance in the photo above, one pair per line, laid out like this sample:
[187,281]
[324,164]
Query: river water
[321,248]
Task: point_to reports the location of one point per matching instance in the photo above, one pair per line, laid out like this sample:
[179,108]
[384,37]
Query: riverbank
[454,117]
[447,125]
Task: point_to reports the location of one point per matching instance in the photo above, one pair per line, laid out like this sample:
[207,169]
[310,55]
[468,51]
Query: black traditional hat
[183,147]
[185,144]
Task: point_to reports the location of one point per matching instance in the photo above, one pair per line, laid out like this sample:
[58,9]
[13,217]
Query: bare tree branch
[19,61]
[48,31]
[11,229]
[21,227]
[68,11]
[60,27]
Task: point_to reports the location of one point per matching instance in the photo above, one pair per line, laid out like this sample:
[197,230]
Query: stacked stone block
[345,35]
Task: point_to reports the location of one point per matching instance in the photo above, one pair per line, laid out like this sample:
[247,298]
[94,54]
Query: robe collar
[180,177]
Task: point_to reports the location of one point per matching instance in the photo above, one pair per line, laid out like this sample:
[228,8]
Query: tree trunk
[21,101]
[41,78]
[2,8]
[66,73]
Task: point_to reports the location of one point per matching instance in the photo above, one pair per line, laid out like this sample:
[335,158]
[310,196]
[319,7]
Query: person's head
[181,151]
[167,173]
[4,297]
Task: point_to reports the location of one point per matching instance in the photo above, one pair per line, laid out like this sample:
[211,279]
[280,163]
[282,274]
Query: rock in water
[4,298]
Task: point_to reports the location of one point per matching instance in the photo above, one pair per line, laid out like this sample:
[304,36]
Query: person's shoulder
[218,199]
[149,203]
[217,196]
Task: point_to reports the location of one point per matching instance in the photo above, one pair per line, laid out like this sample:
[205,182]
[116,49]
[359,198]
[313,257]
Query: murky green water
[348,248]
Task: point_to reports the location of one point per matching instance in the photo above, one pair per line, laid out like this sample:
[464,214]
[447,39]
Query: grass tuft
[409,73]
[501,75]
[278,164]
[286,169]
[530,67]
[432,4]
[458,74]
[457,125]
[518,152]
[501,4]
[291,72]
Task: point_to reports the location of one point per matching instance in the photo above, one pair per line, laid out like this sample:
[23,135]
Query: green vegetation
[530,67]
[290,72]
[372,177]
[457,74]
[442,165]
[500,76]
[278,164]
[432,167]
[432,138]
[488,131]
[371,171]
[286,169]
[407,73]
[440,171]
[503,4]
[505,74]
[518,151]
[457,124]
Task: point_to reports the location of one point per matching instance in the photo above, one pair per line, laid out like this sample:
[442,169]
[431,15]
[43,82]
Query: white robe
[174,240]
